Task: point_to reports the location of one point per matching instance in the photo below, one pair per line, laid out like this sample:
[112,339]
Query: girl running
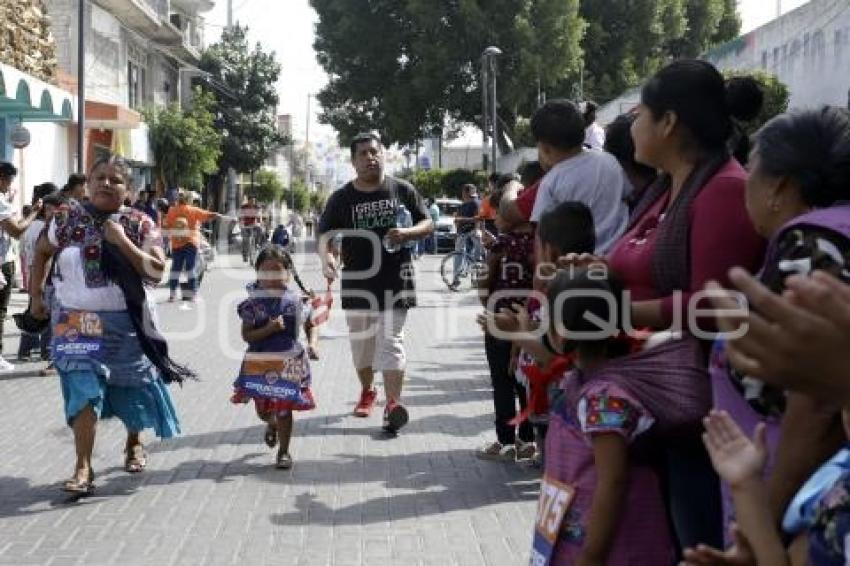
[275,372]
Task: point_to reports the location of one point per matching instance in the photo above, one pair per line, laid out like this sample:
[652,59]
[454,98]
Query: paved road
[212,496]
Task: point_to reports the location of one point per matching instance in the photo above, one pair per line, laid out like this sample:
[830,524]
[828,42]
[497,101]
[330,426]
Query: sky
[287,27]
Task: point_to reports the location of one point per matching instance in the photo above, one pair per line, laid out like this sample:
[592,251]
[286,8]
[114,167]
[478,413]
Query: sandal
[270,437]
[284,461]
[80,487]
[136,460]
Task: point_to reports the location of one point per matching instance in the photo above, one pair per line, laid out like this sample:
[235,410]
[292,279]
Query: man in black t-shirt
[377,275]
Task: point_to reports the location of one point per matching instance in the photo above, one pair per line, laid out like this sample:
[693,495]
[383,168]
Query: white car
[445,230]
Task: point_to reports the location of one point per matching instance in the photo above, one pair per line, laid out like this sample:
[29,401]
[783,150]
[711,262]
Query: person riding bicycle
[281,236]
[466,220]
[250,220]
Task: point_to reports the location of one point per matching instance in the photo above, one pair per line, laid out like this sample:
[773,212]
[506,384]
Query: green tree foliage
[407,67]
[318,201]
[410,68]
[441,183]
[186,145]
[267,186]
[628,41]
[301,194]
[243,83]
[776,98]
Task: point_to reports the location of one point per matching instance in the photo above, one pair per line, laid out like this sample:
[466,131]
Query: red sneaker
[366,402]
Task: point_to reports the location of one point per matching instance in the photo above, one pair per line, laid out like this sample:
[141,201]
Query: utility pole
[484,113]
[81,86]
[307,145]
[231,173]
[489,57]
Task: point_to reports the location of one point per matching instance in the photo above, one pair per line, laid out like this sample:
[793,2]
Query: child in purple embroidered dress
[601,500]
[275,372]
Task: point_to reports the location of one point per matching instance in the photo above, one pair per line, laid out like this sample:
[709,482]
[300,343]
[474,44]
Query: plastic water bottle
[403,219]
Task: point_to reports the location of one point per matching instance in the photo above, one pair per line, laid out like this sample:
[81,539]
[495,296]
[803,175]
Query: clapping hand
[737,459]
[739,554]
[797,340]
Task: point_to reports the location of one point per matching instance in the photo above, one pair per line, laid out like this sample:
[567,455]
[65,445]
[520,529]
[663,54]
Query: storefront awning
[33,100]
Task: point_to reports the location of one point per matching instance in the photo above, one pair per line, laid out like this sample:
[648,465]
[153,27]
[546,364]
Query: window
[839,42]
[818,44]
[764,59]
[137,63]
[807,44]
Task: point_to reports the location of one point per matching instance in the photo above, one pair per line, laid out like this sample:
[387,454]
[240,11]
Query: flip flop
[79,487]
[136,460]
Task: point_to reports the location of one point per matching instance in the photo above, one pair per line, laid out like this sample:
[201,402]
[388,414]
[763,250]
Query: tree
[267,186]
[408,68]
[243,83]
[318,201]
[301,196]
[710,22]
[626,42]
[186,145]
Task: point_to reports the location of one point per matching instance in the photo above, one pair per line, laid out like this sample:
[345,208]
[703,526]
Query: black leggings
[506,391]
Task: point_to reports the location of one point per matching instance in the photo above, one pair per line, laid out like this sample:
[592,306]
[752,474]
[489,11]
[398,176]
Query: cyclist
[466,220]
[250,221]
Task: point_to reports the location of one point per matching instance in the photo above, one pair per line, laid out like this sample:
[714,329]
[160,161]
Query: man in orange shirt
[182,224]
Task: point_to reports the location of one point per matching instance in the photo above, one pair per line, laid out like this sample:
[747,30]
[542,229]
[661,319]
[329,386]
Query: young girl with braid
[275,371]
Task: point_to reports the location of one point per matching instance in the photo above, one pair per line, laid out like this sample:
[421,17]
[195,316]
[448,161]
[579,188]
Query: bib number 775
[555,499]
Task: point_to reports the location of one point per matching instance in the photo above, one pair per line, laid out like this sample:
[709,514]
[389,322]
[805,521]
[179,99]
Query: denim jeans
[184,259]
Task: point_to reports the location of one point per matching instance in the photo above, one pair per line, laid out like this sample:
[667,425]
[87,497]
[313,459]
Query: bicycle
[252,243]
[462,269]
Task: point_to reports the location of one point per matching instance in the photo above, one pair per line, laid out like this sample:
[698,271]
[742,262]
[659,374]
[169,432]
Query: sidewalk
[212,495]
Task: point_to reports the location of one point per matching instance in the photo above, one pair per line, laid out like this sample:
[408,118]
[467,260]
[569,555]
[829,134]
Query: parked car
[445,230]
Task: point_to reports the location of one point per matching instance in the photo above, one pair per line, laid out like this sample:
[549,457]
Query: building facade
[31,101]
[138,55]
[807,48]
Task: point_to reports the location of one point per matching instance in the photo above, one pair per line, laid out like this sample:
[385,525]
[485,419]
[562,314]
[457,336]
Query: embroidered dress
[275,372]
[816,240]
[829,537]
[96,349]
[591,405]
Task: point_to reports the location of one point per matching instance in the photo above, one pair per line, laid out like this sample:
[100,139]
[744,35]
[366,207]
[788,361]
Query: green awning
[32,100]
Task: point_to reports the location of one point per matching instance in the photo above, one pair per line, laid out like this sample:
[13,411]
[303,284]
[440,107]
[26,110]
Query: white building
[807,48]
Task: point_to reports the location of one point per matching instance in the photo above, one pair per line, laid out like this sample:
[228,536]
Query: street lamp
[489,69]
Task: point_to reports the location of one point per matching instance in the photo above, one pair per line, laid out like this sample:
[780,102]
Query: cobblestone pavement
[212,496]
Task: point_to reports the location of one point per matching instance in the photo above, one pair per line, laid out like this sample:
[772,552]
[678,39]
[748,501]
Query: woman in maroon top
[690,227]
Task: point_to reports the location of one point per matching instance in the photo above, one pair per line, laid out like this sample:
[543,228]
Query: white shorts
[377,339]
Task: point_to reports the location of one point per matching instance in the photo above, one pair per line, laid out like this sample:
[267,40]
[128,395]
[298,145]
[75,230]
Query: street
[212,495]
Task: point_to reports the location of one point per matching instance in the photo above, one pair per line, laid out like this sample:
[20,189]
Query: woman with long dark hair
[691,226]
[111,359]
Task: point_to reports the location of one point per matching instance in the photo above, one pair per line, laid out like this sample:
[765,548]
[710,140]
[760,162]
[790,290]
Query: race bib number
[78,333]
[280,378]
[555,500]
